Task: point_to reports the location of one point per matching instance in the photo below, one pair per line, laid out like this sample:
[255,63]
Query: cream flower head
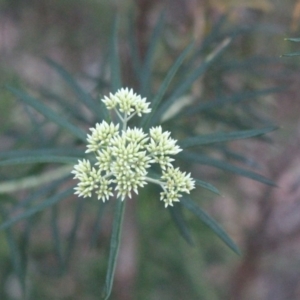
[124,156]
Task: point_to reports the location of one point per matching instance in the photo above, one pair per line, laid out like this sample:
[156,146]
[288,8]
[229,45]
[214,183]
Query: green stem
[114,247]
[132,115]
[149,179]
[119,115]
[125,122]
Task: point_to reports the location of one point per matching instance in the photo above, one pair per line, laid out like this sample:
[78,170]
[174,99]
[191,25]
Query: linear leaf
[83,96]
[211,38]
[251,63]
[71,108]
[248,161]
[37,125]
[134,49]
[189,204]
[291,54]
[49,113]
[205,160]
[165,84]
[148,61]
[97,226]
[181,225]
[72,235]
[16,257]
[15,254]
[114,247]
[40,207]
[56,235]
[223,137]
[41,152]
[189,80]
[35,195]
[207,186]
[41,159]
[232,99]
[297,40]
[115,64]
[24,246]
[59,174]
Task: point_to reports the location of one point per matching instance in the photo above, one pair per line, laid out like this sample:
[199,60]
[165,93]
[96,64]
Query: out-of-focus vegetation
[259,88]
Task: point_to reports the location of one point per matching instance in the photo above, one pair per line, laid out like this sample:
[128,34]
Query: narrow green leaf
[61,173]
[207,186]
[189,204]
[114,248]
[297,40]
[234,121]
[148,61]
[23,247]
[165,84]
[212,38]
[251,64]
[232,155]
[180,223]
[37,125]
[84,97]
[134,47]
[69,107]
[232,99]
[72,235]
[205,160]
[16,257]
[35,195]
[189,80]
[97,227]
[291,54]
[49,113]
[115,64]
[41,152]
[56,235]
[40,207]
[41,159]
[222,137]
[15,254]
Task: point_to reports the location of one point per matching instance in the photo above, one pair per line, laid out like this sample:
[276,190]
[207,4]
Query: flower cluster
[123,156]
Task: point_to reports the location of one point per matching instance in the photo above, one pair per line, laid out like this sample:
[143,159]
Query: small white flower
[127,102]
[161,146]
[104,159]
[110,102]
[136,135]
[169,196]
[104,191]
[162,143]
[176,183]
[123,157]
[127,182]
[101,136]
[88,178]
[82,168]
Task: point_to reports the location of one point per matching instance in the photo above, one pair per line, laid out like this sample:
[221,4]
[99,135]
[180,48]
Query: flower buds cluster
[123,156]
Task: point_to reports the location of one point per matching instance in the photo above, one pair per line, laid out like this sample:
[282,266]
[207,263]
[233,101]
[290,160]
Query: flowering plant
[121,159]
[123,156]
